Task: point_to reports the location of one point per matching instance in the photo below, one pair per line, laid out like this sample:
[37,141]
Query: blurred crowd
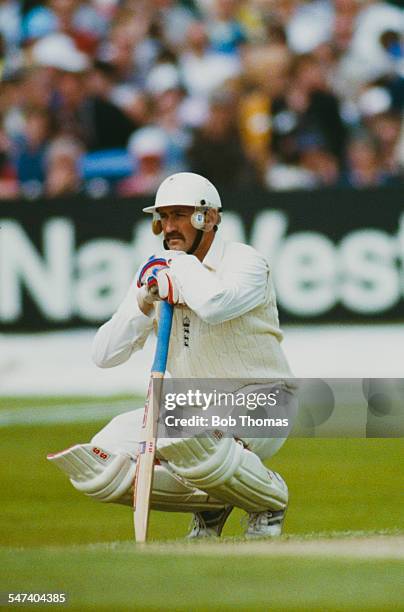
[107,97]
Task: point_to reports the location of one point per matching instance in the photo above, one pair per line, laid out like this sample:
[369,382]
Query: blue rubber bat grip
[163,337]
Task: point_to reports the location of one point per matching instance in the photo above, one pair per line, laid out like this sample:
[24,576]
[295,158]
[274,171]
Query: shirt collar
[215,254]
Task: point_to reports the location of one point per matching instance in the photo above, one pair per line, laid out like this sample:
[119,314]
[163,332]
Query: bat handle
[163,337]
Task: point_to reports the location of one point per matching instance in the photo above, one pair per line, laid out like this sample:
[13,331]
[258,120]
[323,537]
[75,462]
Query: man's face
[177,228]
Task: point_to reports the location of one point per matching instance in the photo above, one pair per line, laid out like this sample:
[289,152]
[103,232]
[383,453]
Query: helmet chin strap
[196,242]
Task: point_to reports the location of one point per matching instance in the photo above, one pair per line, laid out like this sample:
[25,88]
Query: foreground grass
[129,580]
[335,486]
[50,403]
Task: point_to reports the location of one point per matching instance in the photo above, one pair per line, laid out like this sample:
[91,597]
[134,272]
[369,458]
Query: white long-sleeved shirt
[227,328]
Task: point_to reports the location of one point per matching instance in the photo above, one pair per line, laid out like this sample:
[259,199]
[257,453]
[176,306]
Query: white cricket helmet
[186,189]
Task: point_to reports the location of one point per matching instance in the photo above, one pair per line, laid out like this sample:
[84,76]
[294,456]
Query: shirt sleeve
[216,297]
[125,333]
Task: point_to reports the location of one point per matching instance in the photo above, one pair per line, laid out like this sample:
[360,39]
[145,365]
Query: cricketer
[225,325]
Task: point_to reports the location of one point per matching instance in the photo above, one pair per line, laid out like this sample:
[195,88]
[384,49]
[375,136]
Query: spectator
[65,68]
[314,167]
[363,168]
[82,108]
[216,151]
[173,19]
[37,88]
[133,102]
[257,97]
[62,175]
[203,70]
[345,15]
[383,123]
[376,23]
[148,147]
[79,20]
[10,104]
[101,70]
[119,49]
[308,25]
[38,22]
[30,152]
[318,160]
[369,55]
[226,34]
[307,106]
[10,24]
[107,126]
[167,96]
[8,177]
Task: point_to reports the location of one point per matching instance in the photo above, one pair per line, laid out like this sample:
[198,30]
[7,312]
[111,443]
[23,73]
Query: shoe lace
[197,523]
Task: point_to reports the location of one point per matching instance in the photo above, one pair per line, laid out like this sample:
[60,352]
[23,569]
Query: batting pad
[108,477]
[225,469]
[96,472]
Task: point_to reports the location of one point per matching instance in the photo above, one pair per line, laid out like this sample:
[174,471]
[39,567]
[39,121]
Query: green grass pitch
[53,539]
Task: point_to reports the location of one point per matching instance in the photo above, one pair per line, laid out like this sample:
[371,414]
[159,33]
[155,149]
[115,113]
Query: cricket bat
[147,448]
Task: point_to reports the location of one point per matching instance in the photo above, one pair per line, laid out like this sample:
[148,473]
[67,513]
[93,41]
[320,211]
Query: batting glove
[155,281]
[147,282]
[167,288]
[149,270]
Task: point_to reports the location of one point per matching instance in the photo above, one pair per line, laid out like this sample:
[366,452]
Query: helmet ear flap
[198,220]
[157,227]
[202,219]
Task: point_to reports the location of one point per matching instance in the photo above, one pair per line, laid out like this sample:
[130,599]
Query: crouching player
[225,325]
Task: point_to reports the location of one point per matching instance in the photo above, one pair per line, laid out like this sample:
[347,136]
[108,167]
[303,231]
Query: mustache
[172,235]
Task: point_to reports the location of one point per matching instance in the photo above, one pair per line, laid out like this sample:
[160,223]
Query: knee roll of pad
[226,470]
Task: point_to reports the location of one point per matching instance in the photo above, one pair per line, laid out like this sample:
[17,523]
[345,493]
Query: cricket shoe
[209,523]
[267,524]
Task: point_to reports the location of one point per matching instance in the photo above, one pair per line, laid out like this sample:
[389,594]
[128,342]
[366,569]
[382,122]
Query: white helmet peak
[186,189]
